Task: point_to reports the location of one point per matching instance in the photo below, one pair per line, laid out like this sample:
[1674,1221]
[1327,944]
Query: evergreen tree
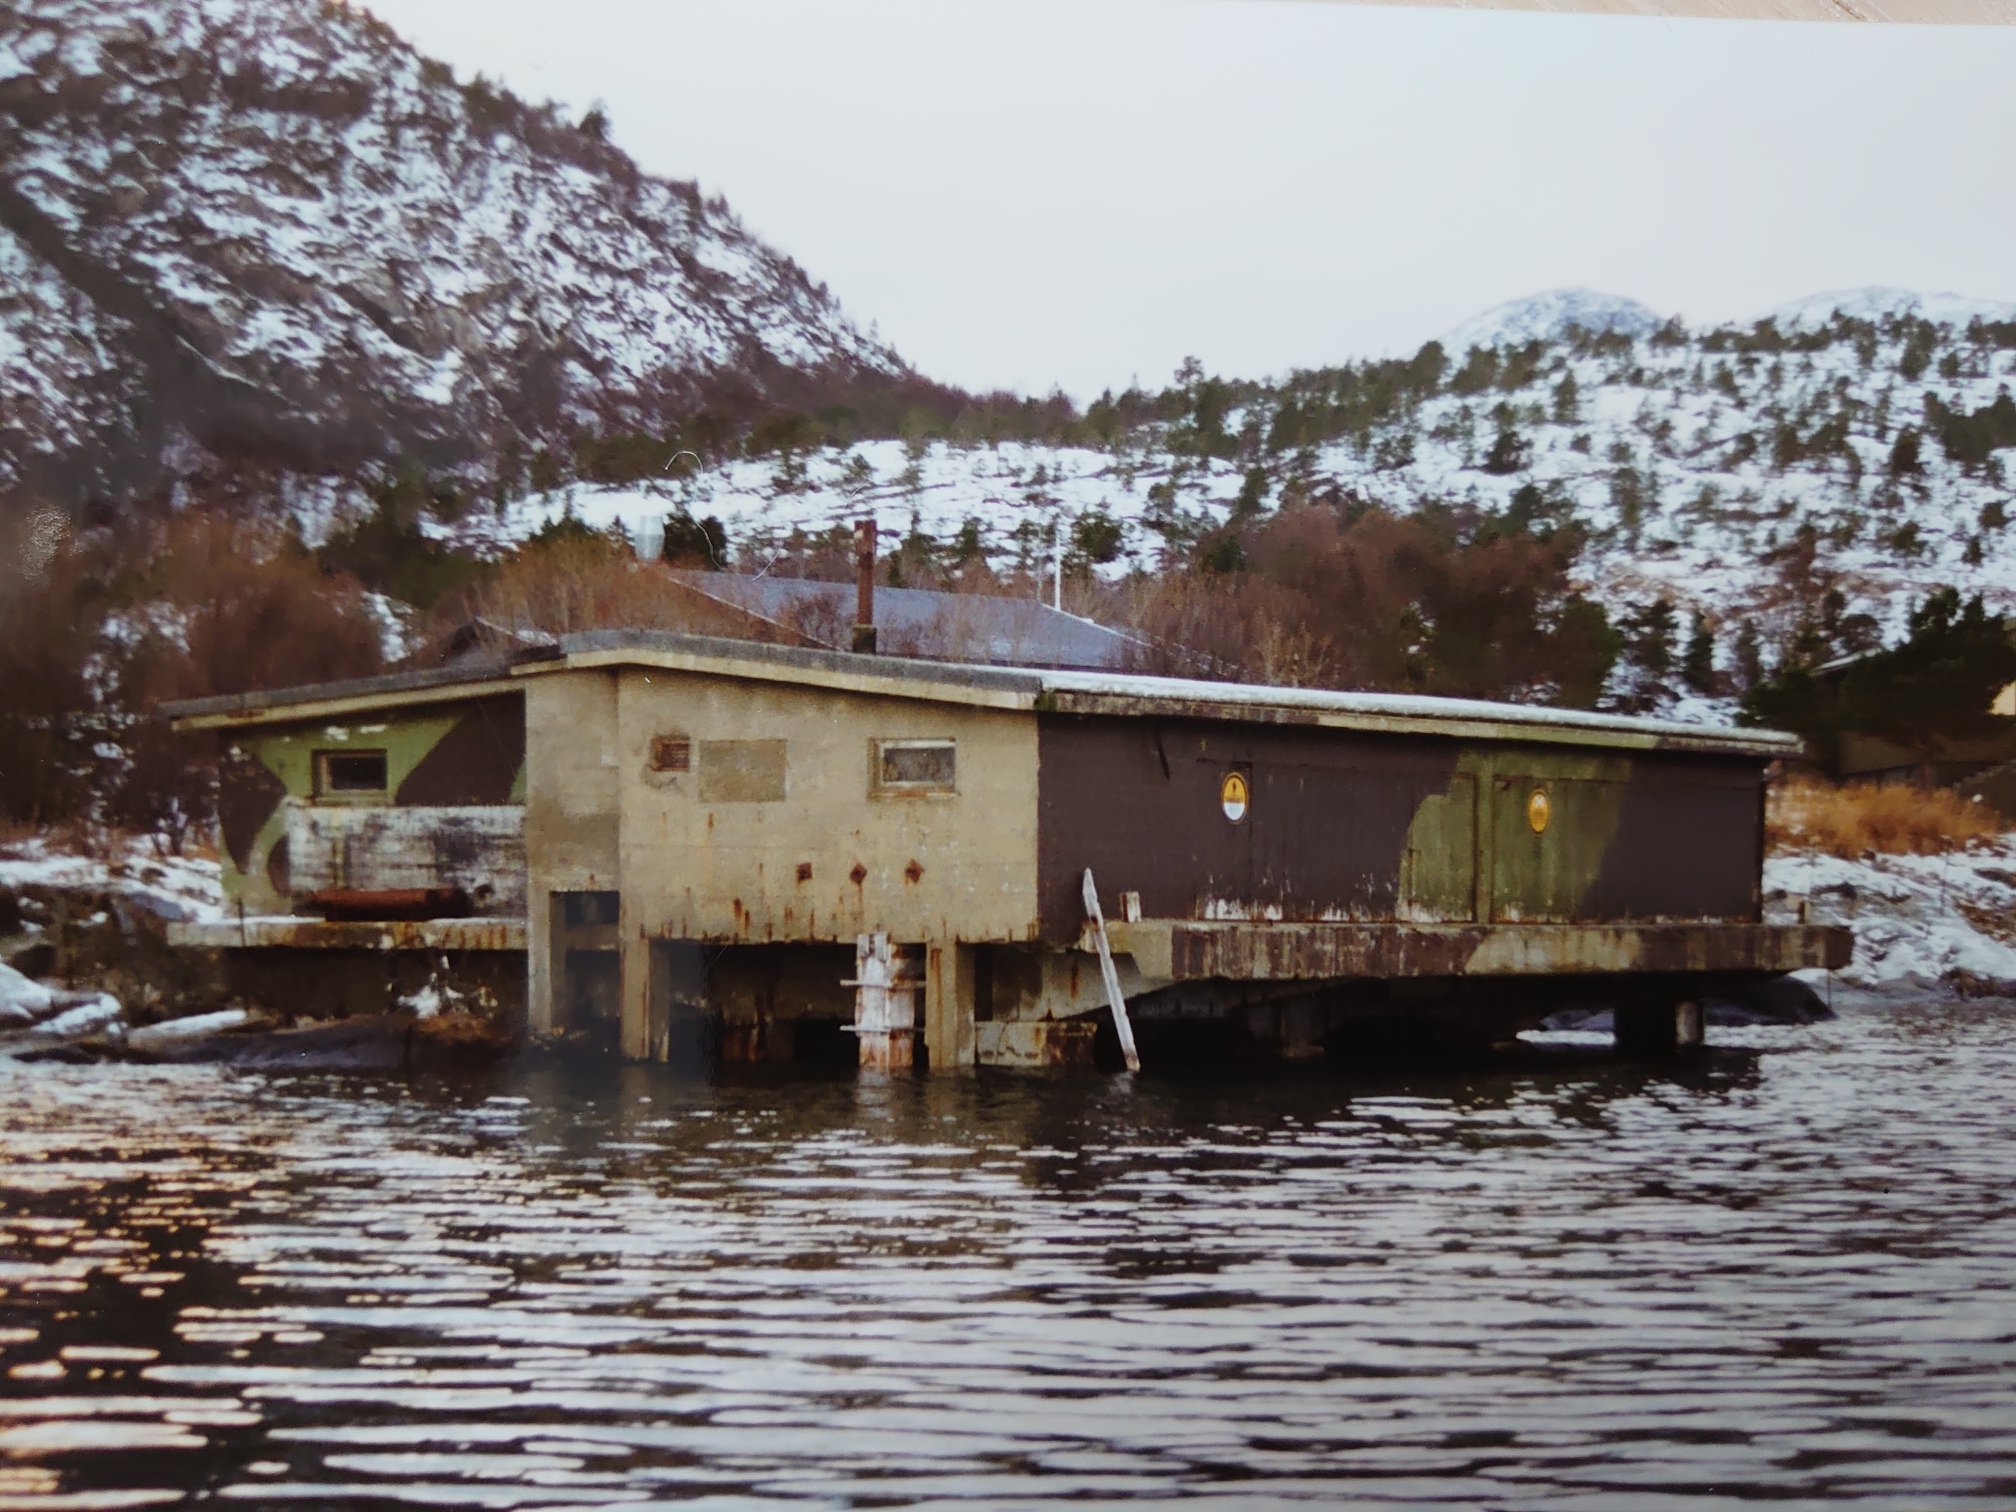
[695,543]
[1097,537]
[1748,655]
[1567,400]
[1252,494]
[1905,458]
[1648,637]
[1507,454]
[968,545]
[1697,663]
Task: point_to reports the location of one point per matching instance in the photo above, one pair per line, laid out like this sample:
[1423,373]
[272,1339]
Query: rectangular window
[916,766]
[671,753]
[339,773]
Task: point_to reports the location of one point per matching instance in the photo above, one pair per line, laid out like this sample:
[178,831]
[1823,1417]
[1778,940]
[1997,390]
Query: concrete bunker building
[668,841]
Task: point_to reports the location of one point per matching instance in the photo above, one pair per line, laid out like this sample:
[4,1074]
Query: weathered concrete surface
[794,841]
[572,812]
[1178,950]
[1037,1044]
[479,849]
[803,845]
[951,1041]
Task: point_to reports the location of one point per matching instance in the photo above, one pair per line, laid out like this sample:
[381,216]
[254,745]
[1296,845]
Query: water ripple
[1782,1273]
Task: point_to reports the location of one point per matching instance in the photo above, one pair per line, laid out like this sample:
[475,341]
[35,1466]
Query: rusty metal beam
[1178,950]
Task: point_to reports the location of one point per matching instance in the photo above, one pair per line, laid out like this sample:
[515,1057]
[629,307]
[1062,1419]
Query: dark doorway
[588,966]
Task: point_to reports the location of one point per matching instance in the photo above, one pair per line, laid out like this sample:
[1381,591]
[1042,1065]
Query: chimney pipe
[864,586]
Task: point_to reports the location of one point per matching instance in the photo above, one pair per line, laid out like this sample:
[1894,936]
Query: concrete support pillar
[1660,1027]
[642,1037]
[950,1039]
[540,927]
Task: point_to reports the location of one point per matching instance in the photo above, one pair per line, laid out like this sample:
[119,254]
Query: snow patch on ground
[180,888]
[1918,920]
[38,1017]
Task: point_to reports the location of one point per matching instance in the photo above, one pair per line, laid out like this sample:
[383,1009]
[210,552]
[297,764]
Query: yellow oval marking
[1539,811]
[1234,796]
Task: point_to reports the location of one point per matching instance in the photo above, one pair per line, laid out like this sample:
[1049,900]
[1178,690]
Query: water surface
[1782,1273]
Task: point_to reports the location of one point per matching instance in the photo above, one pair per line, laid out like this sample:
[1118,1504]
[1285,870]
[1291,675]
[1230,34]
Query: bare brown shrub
[571,583]
[45,640]
[1863,818]
[95,635]
[1322,596]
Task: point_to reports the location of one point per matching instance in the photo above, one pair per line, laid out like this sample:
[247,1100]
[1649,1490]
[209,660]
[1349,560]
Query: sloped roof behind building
[948,627]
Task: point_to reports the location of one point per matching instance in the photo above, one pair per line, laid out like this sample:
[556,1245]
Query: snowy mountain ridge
[1550,316]
[1879,302]
[268,230]
[1726,471]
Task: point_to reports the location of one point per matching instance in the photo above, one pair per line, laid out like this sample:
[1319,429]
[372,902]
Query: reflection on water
[1783,1273]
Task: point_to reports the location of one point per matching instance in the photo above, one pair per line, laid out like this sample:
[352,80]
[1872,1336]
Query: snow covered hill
[1877,303]
[269,230]
[1711,469]
[261,247]
[1550,317]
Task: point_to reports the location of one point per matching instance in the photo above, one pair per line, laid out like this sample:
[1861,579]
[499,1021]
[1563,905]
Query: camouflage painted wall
[455,754]
[1355,826]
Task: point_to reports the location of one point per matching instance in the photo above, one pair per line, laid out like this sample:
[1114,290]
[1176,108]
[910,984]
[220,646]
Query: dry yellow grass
[1861,817]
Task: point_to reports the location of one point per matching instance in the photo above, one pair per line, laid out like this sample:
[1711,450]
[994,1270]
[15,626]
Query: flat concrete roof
[1009,688]
[472,677]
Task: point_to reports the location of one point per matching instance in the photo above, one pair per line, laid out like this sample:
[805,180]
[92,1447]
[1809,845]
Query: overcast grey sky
[1034,192]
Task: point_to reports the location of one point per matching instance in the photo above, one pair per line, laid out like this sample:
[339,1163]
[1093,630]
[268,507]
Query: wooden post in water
[1121,1024]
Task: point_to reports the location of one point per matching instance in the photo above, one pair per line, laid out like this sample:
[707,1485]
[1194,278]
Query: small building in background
[981,629]
[1980,762]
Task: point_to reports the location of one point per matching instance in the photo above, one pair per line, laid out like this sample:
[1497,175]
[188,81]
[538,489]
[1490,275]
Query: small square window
[671,753]
[349,772]
[916,766]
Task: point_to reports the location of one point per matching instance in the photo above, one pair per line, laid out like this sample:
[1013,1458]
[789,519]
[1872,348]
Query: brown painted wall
[1139,802]
[1348,825]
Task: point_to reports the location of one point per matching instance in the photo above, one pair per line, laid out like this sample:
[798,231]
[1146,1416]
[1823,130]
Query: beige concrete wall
[572,808]
[701,858]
